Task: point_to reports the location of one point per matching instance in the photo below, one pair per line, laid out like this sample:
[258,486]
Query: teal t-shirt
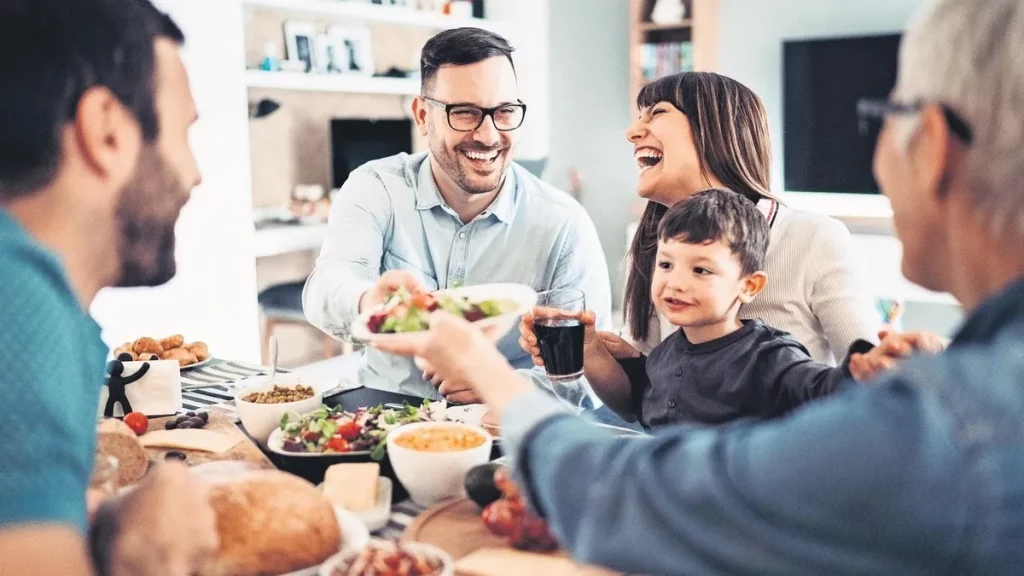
[51,370]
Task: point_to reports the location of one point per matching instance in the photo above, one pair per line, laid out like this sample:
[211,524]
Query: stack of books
[664,59]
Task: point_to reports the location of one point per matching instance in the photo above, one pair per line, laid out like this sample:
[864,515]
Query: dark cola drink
[561,346]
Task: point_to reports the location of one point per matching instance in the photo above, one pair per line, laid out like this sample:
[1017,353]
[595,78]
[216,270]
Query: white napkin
[158,393]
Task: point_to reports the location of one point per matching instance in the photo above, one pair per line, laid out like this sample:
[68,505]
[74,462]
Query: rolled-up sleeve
[845,486]
[350,259]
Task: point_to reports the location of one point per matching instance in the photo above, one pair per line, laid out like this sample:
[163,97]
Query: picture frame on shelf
[329,55]
[301,43]
[354,47]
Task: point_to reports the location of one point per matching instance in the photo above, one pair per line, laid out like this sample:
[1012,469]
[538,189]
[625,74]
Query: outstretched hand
[893,348]
[464,354]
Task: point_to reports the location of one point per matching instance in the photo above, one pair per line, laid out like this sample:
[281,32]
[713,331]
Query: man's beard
[450,162]
[146,215]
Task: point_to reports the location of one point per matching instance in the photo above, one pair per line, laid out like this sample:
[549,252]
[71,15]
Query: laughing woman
[700,130]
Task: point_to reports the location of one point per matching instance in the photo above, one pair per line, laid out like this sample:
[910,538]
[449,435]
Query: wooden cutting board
[455,526]
[246,450]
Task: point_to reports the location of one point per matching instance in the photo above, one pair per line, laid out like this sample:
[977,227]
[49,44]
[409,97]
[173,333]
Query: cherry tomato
[338,444]
[138,422]
[349,430]
[422,301]
[498,518]
[310,436]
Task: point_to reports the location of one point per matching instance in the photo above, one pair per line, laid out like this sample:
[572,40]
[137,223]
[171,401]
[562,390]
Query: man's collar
[427,194]
[1005,307]
[503,207]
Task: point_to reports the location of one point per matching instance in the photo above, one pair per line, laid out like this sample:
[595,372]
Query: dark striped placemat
[402,514]
[213,386]
[221,372]
[216,398]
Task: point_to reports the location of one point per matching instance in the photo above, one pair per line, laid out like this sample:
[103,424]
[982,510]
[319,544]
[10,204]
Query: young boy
[716,368]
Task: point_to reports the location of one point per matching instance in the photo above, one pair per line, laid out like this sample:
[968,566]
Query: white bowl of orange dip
[431,459]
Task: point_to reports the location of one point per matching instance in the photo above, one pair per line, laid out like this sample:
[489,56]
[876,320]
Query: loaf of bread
[270,522]
[115,438]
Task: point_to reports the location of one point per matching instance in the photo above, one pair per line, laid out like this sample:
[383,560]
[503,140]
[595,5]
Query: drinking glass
[560,333]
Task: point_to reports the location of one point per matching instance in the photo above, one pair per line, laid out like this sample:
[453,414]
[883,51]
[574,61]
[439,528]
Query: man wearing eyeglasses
[461,214]
[919,472]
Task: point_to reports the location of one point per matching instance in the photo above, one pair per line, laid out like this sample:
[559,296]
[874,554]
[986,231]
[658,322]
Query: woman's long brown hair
[730,134]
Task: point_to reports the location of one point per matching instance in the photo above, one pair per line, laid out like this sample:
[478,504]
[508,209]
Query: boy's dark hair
[56,50]
[715,215]
[459,47]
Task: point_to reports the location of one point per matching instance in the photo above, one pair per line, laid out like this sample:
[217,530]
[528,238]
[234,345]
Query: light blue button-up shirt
[389,215]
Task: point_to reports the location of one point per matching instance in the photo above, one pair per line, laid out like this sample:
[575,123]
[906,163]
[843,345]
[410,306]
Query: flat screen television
[823,147]
[356,142]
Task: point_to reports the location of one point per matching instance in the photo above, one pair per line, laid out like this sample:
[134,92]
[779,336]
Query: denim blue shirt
[921,472]
[389,215]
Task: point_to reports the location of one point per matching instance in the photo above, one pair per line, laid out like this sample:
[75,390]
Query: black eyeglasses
[869,110]
[467,118]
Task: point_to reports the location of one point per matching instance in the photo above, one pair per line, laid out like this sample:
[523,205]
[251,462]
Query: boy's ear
[752,286]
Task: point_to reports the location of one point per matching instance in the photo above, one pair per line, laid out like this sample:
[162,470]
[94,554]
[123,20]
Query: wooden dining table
[454,525]
[212,388]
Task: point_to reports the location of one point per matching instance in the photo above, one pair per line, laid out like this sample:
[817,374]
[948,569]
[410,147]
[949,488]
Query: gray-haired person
[921,472]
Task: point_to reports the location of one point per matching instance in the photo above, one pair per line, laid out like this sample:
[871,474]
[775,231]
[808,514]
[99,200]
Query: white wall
[590,112]
[751,34]
[213,297]
[524,23]
[750,50]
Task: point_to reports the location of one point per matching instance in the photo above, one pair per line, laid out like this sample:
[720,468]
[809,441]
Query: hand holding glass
[560,333]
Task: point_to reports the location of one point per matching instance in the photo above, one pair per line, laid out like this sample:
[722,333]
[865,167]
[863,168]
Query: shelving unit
[359,12]
[277,240]
[652,27]
[700,28]
[332,83]
[371,13]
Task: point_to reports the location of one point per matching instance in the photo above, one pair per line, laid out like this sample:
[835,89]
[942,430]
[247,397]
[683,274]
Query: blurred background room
[294,94]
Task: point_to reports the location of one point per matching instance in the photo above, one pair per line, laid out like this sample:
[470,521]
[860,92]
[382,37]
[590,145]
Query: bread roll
[125,349]
[115,438]
[200,349]
[146,344]
[175,341]
[183,356]
[270,522]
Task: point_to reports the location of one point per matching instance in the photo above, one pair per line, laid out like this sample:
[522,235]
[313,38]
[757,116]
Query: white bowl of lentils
[260,407]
